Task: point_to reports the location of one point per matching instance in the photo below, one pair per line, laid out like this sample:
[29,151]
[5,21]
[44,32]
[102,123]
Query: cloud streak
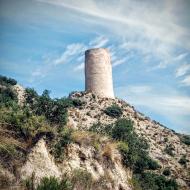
[186,81]
[182,70]
[69,53]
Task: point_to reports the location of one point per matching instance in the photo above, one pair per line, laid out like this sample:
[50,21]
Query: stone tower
[98,72]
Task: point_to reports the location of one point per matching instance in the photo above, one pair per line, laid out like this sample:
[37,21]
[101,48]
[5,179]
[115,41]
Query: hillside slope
[158,136]
[85,142]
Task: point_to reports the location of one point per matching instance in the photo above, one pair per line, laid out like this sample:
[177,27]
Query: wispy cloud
[180,56]
[186,81]
[79,67]
[98,42]
[119,62]
[182,70]
[69,53]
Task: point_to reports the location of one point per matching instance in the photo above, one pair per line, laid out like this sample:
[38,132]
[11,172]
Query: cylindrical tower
[98,72]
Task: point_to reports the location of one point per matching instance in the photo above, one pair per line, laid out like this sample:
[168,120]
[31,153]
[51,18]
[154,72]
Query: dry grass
[86,138]
[104,182]
[9,146]
[110,151]
[11,150]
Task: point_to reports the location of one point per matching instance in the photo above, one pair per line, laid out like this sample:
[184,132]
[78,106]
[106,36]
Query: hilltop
[85,142]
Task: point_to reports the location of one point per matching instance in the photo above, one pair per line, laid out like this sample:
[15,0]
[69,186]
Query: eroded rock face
[84,157]
[39,163]
[98,72]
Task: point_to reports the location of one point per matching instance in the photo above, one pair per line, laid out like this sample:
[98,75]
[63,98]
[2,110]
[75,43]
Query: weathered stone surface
[39,163]
[98,72]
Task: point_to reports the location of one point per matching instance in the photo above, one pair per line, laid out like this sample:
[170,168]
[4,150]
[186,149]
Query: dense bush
[77,102]
[53,183]
[79,179]
[7,81]
[25,124]
[166,172]
[7,96]
[152,164]
[169,149]
[114,111]
[185,139]
[122,129]
[55,110]
[63,139]
[183,160]
[82,179]
[136,156]
[151,181]
[31,98]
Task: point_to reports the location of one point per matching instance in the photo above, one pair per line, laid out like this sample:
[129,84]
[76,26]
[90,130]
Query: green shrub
[166,172]
[169,150]
[136,156]
[183,160]
[122,129]
[63,140]
[55,110]
[151,181]
[53,183]
[185,139]
[29,183]
[7,95]
[144,162]
[165,139]
[152,164]
[31,98]
[25,124]
[82,179]
[99,128]
[7,81]
[114,111]
[123,147]
[77,102]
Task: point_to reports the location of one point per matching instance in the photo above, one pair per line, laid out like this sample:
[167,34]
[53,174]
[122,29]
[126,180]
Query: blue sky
[43,44]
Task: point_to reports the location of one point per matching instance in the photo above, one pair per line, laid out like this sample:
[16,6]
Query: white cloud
[119,62]
[139,89]
[180,56]
[69,53]
[79,67]
[186,81]
[182,70]
[98,42]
